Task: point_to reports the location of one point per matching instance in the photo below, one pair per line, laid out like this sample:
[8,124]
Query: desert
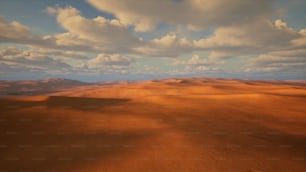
[152,86]
[180,124]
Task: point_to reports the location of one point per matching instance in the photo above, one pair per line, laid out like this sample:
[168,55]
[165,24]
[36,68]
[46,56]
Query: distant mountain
[35,87]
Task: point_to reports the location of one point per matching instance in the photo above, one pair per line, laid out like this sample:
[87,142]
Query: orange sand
[177,125]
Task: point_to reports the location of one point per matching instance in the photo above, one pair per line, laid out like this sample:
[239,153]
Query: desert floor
[177,125]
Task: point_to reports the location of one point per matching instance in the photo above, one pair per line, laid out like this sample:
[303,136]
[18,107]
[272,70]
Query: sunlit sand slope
[177,125]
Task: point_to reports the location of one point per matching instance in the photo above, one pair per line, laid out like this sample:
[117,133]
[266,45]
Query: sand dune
[161,125]
[36,87]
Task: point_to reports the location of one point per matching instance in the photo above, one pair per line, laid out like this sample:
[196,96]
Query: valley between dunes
[179,125]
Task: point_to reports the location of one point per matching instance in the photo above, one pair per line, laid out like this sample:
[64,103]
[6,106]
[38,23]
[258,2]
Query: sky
[96,40]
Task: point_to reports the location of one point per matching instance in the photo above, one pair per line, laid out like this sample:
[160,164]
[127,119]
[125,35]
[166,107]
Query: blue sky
[132,40]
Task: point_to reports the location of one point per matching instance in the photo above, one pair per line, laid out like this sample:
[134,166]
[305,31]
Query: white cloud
[194,60]
[44,62]
[255,35]
[200,69]
[28,59]
[288,60]
[197,64]
[276,45]
[196,14]
[13,30]
[12,51]
[300,41]
[249,38]
[169,45]
[252,37]
[114,61]
[104,35]
[97,35]
[100,35]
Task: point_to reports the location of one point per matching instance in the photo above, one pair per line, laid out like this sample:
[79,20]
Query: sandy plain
[177,125]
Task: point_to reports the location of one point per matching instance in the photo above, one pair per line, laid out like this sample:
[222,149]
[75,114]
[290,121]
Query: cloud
[206,69]
[38,63]
[13,30]
[112,36]
[258,34]
[288,60]
[197,64]
[10,51]
[252,37]
[53,62]
[300,41]
[107,36]
[242,30]
[28,60]
[194,60]
[97,35]
[72,55]
[196,14]
[169,45]
[114,60]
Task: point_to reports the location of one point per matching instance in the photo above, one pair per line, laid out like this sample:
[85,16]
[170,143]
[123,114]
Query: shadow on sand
[37,145]
[77,103]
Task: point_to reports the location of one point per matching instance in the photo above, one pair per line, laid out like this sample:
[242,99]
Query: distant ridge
[50,85]
[35,87]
